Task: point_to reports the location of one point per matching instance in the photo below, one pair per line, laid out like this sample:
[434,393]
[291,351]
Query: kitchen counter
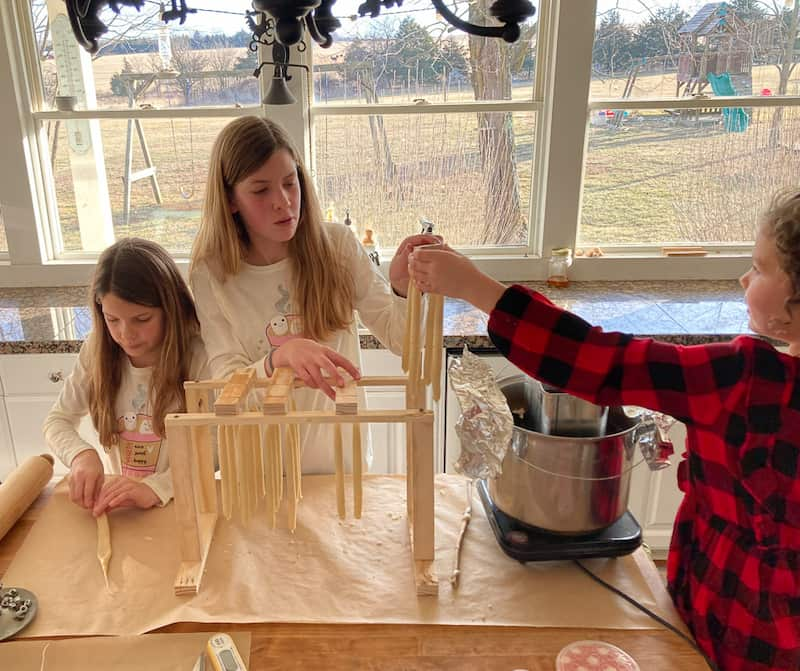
[49,320]
[392,647]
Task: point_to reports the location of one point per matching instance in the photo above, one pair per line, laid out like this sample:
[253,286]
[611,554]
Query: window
[414,121]
[608,124]
[684,170]
[124,170]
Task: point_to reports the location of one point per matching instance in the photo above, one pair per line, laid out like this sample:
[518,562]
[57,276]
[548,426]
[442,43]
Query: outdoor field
[654,177]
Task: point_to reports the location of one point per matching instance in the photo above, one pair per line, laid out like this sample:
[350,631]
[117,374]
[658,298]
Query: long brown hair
[781,221]
[324,287]
[142,272]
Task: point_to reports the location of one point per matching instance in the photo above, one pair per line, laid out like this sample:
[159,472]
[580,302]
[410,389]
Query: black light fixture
[279,93]
[292,18]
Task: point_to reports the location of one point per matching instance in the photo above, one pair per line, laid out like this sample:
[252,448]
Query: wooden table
[396,647]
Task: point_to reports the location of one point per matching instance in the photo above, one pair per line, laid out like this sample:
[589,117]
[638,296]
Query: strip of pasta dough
[104,545]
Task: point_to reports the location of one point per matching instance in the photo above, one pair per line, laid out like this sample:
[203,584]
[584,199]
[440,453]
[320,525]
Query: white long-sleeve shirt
[140,453]
[245,317]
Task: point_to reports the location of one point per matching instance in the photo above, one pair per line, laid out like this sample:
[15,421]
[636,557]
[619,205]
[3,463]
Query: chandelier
[293,18]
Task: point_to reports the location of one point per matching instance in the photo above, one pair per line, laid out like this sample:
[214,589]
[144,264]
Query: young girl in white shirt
[277,287]
[130,371]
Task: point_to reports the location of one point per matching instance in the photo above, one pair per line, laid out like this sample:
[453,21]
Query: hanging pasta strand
[224,471]
[235,486]
[244,470]
[291,480]
[436,315]
[414,358]
[428,363]
[296,453]
[275,471]
[407,333]
[357,464]
[338,454]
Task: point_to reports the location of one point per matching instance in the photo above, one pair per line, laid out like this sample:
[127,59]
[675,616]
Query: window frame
[560,103]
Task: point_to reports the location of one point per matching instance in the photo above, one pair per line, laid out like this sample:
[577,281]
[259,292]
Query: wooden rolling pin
[21,488]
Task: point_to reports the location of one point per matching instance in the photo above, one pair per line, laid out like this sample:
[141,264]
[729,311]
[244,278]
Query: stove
[526,543]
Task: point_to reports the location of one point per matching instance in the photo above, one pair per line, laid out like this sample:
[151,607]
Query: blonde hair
[781,221]
[323,286]
[141,272]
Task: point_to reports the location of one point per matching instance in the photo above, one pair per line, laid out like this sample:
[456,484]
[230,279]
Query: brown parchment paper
[153,652]
[328,571]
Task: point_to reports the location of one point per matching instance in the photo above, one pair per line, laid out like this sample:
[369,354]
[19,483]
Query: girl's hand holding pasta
[316,365]
[123,492]
[398,270]
[444,271]
[85,478]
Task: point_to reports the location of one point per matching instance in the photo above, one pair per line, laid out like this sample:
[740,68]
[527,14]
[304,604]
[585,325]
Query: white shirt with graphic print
[140,453]
[249,314]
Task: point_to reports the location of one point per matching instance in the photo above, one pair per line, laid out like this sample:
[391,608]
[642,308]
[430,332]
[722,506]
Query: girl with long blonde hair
[130,371]
[275,286]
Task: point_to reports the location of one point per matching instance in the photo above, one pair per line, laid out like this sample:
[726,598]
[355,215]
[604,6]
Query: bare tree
[491,67]
[187,61]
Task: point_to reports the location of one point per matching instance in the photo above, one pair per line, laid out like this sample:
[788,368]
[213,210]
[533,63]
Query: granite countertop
[51,320]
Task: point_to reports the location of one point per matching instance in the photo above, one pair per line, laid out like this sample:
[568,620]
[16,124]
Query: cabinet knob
[56,376]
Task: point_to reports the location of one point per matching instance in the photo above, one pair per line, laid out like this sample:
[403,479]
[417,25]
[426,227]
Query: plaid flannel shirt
[734,560]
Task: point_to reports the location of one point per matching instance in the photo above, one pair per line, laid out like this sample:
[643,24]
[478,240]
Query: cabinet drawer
[35,373]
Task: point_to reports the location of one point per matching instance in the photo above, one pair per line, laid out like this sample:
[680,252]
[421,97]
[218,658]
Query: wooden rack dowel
[413,414]
[357,465]
[265,383]
[338,453]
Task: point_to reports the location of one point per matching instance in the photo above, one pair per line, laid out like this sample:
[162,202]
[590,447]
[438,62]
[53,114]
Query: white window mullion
[566,122]
[21,181]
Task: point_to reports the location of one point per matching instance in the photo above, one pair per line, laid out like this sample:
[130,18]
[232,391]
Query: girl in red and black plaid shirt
[734,559]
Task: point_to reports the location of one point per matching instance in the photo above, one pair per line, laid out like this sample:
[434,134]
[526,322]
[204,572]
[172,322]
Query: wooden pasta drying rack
[192,457]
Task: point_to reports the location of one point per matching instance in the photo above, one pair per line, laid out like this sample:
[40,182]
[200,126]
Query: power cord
[648,612]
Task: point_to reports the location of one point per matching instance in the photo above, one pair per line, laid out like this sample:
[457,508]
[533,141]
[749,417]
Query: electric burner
[526,543]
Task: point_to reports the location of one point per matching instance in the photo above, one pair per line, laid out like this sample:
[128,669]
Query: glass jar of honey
[558,267]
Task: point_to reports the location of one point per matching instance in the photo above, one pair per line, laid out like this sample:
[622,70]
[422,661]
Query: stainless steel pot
[570,484]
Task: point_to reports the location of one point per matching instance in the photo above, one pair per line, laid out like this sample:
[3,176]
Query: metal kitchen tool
[563,414]
[18,607]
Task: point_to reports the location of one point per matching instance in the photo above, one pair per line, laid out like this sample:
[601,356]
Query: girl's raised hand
[85,478]
[441,271]
[444,271]
[398,270]
[316,365]
[123,492]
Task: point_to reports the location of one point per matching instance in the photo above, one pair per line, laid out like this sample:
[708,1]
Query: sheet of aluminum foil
[485,425]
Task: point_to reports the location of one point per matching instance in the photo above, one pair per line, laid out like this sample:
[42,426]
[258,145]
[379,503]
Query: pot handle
[652,437]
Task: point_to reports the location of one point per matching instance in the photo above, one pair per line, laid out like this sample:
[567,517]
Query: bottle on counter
[558,267]
[370,244]
[330,213]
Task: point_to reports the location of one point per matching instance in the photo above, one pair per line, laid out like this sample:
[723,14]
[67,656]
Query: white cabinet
[31,383]
[389,440]
[654,496]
